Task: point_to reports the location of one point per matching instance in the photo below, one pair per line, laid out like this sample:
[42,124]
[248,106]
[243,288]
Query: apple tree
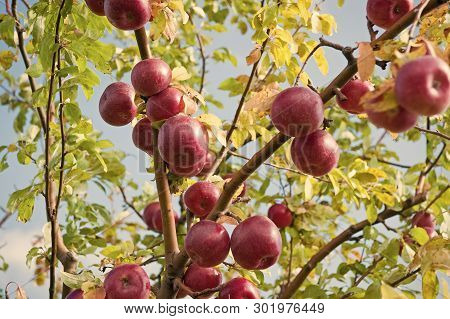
[335,213]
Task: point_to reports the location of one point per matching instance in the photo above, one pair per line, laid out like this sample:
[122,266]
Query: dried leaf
[262,101]
[227,220]
[382,98]
[180,74]
[190,107]
[254,55]
[366,60]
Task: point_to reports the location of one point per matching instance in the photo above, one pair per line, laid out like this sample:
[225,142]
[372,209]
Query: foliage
[365,182]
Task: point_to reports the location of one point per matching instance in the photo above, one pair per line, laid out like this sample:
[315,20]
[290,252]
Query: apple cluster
[298,112]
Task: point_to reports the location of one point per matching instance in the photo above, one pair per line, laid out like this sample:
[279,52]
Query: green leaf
[420,235]
[75,281]
[123,249]
[7,26]
[371,213]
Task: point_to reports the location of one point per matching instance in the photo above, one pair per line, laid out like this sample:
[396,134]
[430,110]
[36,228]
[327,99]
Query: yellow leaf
[180,74]
[382,98]
[388,292]
[430,284]
[322,63]
[238,137]
[283,35]
[210,120]
[262,101]
[323,23]
[366,60]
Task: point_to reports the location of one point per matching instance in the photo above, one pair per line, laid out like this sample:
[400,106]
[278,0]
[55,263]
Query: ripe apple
[153,219]
[280,215]
[142,136]
[76,294]
[239,288]
[186,171]
[396,120]
[198,279]
[116,105]
[426,221]
[384,13]
[315,154]
[244,188]
[128,14]
[354,90]
[209,162]
[96,6]
[207,243]
[256,243]
[201,197]
[422,86]
[151,76]
[165,104]
[127,281]
[297,111]
[183,142]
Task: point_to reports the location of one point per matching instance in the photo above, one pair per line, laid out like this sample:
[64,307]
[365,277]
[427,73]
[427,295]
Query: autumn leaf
[382,98]
[388,292]
[254,55]
[262,101]
[366,60]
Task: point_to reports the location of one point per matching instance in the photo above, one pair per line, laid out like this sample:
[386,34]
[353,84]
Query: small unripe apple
[183,142]
[116,105]
[151,76]
[396,120]
[354,90]
[297,111]
[76,294]
[256,243]
[207,243]
[315,154]
[280,215]
[426,221]
[153,219]
[384,13]
[239,288]
[422,86]
[128,14]
[142,136]
[96,6]
[199,278]
[165,104]
[201,197]
[127,281]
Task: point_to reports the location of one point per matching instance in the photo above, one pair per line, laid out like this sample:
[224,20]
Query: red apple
[256,243]
[280,215]
[396,120]
[165,104]
[244,188]
[424,220]
[297,111]
[76,294]
[183,142]
[209,162]
[153,219]
[142,136]
[201,197]
[207,243]
[239,288]
[127,281]
[198,279]
[354,90]
[422,86]
[186,171]
[96,6]
[116,105]
[151,76]
[384,13]
[128,14]
[315,154]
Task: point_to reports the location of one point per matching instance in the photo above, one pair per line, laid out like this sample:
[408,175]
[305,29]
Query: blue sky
[17,237]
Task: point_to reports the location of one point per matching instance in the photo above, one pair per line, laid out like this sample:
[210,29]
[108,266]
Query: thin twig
[386,162]
[408,275]
[5,218]
[151,260]
[434,163]
[363,276]
[130,204]
[437,133]
[437,197]
[26,59]
[419,9]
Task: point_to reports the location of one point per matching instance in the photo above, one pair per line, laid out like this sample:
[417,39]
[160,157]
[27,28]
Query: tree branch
[419,10]
[363,276]
[26,60]
[437,133]
[5,218]
[223,152]
[408,275]
[340,239]
[162,185]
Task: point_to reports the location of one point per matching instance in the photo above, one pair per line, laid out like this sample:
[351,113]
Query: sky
[16,238]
